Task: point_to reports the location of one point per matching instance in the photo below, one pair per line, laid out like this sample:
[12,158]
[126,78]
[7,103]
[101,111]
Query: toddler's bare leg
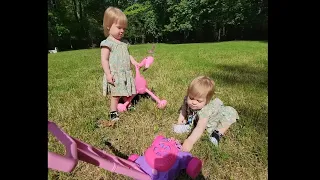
[217,134]
[223,130]
[114,103]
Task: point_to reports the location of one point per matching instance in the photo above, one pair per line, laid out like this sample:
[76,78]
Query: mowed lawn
[239,69]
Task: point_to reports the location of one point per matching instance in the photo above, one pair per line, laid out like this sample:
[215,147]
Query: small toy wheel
[194,167]
[133,157]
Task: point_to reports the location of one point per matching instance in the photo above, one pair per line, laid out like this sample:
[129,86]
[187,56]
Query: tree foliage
[74,24]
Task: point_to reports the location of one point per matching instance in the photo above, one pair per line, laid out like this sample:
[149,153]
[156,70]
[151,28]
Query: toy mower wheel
[194,167]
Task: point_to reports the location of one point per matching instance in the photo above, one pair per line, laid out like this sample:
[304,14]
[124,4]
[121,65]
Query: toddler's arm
[105,52]
[195,135]
[133,61]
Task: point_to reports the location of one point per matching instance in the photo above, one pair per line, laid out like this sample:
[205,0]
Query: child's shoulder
[106,42]
[216,101]
[213,104]
[110,42]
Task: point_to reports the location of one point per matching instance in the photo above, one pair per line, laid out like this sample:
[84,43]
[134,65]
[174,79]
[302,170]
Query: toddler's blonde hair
[202,86]
[113,15]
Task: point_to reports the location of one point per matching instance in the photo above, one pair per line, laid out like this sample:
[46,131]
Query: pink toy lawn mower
[142,87]
[163,160]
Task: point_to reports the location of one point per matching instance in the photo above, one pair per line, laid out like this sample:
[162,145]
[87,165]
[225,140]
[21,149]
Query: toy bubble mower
[162,160]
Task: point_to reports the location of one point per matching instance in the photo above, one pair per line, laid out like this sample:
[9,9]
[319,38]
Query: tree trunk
[75,10]
[224,31]
[143,38]
[71,43]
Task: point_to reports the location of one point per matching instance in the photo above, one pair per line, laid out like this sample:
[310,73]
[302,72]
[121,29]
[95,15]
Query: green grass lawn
[239,69]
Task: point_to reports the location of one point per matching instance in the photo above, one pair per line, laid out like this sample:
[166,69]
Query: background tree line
[77,24]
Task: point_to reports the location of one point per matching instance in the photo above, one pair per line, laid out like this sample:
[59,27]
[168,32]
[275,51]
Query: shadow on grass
[139,97]
[242,74]
[184,176]
[114,150]
[248,76]
[255,118]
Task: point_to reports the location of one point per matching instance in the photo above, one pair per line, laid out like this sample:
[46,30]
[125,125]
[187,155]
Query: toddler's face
[196,103]
[117,30]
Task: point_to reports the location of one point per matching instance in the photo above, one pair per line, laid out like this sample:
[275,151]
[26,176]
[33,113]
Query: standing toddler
[116,60]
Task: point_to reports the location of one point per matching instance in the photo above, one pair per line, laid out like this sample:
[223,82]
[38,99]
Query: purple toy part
[78,150]
[164,160]
[142,87]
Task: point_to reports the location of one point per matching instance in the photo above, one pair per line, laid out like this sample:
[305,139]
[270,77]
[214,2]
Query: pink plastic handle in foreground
[97,157]
[58,162]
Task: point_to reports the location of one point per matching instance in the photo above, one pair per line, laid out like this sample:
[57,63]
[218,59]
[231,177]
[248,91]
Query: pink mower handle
[77,149]
[109,162]
[58,162]
[161,103]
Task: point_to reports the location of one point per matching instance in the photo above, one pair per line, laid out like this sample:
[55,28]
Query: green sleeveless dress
[119,63]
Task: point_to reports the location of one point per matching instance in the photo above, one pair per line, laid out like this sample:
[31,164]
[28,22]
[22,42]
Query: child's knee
[222,130]
[231,115]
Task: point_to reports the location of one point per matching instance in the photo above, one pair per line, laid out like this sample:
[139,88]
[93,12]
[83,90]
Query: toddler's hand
[110,79]
[187,146]
[136,64]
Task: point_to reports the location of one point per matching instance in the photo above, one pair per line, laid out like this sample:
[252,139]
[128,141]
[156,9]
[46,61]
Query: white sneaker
[214,141]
